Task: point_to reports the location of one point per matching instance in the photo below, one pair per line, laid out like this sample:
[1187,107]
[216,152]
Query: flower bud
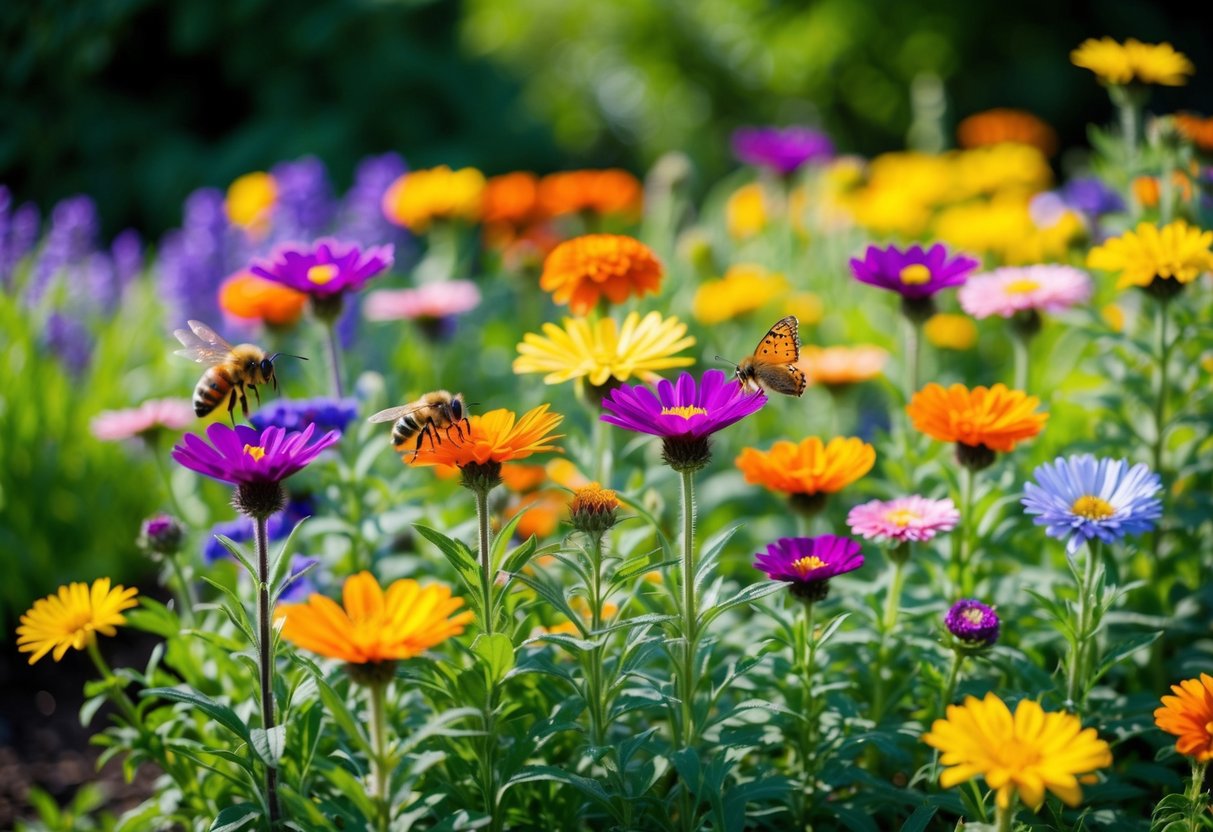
[161,534]
[593,509]
[972,624]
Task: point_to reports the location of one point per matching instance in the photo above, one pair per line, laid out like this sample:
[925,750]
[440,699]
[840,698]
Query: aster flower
[580,271]
[783,149]
[836,367]
[1012,290]
[145,420]
[683,413]
[600,351]
[72,618]
[161,534]
[972,624]
[1133,62]
[980,421]
[1188,715]
[808,470]
[904,519]
[427,302]
[1160,260]
[808,563]
[421,197]
[295,414]
[324,269]
[252,298]
[1081,498]
[915,273]
[745,288]
[1023,753]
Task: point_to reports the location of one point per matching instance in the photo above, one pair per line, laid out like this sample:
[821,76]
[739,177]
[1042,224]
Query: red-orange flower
[611,191]
[1003,124]
[245,295]
[993,417]
[1189,716]
[1198,130]
[510,199]
[580,271]
[809,466]
[496,436]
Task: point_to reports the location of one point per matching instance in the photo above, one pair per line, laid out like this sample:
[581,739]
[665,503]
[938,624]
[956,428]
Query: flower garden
[843,493]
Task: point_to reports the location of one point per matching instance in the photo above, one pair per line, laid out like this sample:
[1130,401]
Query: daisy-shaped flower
[1013,290]
[419,198]
[428,302]
[808,563]
[1081,498]
[837,367]
[325,269]
[782,149]
[1133,62]
[1189,716]
[72,618]
[145,421]
[809,470]
[1160,260]
[903,520]
[980,421]
[916,274]
[581,271]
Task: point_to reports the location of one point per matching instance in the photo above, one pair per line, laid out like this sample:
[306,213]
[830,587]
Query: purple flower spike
[247,457]
[914,273]
[682,409]
[783,149]
[325,269]
[973,623]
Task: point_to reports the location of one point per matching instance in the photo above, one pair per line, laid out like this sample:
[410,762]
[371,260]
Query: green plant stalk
[1004,818]
[602,447]
[488,758]
[1163,348]
[888,623]
[1129,110]
[913,348]
[961,576]
[690,611]
[596,704]
[334,358]
[1084,632]
[380,767]
[1022,355]
[806,662]
[486,566]
[1196,806]
[265,647]
[116,694]
[892,601]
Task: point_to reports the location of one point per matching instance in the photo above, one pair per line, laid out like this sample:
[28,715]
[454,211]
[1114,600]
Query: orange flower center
[1093,508]
[902,517]
[804,566]
[322,273]
[685,412]
[1021,287]
[255,451]
[915,275]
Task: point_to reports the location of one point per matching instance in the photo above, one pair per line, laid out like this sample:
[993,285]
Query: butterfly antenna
[725,360]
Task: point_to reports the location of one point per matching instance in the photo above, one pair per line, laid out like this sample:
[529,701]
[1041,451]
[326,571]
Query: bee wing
[202,344]
[394,413]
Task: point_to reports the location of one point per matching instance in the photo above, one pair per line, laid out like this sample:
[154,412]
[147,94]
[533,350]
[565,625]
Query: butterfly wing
[773,365]
[202,344]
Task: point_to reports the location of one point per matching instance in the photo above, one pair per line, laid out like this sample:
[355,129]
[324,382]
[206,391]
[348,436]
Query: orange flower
[580,271]
[523,478]
[496,436]
[374,626]
[993,417]
[1002,125]
[808,467]
[544,510]
[511,199]
[245,295]
[1148,190]
[839,366]
[1198,130]
[1189,715]
[611,191]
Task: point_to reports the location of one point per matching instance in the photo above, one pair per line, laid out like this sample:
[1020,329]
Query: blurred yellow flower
[1004,227]
[1133,61]
[1114,317]
[1176,252]
[250,200]
[806,306]
[745,287]
[420,197]
[1018,168]
[746,211]
[600,350]
[950,332]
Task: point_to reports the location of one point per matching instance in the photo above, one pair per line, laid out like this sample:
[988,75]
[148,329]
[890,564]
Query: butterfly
[773,364]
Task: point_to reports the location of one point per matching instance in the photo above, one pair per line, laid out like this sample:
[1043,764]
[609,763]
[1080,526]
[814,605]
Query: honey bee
[230,369]
[773,364]
[425,417]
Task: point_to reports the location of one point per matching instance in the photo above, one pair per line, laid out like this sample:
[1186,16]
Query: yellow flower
[746,211]
[1003,226]
[1114,317]
[744,288]
[72,617]
[419,197]
[1018,168]
[1146,63]
[806,306]
[1024,753]
[1148,254]
[598,351]
[250,198]
[950,332]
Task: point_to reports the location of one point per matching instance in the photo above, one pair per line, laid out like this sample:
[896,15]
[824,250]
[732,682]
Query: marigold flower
[1189,716]
[995,418]
[1003,124]
[73,617]
[510,199]
[903,520]
[745,287]
[746,211]
[808,467]
[950,332]
[1024,753]
[1133,61]
[610,191]
[244,295]
[372,625]
[580,271]
[1007,291]
[1196,129]
[598,351]
[151,416]
[1150,256]
[420,197]
[841,366]
[250,201]
[494,437]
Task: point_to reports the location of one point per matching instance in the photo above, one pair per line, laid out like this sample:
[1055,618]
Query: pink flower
[153,415]
[430,300]
[904,519]
[1043,288]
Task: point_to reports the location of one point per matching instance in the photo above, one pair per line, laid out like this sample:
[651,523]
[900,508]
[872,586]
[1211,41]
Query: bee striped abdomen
[406,428]
[214,387]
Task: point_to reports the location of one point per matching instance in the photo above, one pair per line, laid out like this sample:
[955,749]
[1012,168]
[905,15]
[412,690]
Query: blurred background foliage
[138,102]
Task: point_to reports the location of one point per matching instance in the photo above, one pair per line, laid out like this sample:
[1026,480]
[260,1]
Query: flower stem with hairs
[1086,628]
[596,703]
[380,765]
[265,647]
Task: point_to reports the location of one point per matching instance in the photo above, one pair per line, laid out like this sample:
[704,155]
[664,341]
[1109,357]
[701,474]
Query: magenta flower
[974,624]
[1007,291]
[914,273]
[245,456]
[783,149]
[428,301]
[903,520]
[325,269]
[808,563]
[147,418]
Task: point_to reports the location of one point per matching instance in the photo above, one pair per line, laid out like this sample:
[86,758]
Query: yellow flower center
[255,451]
[915,275]
[80,624]
[322,273]
[1021,286]
[901,517]
[1093,508]
[685,412]
[973,616]
[1017,755]
[804,566]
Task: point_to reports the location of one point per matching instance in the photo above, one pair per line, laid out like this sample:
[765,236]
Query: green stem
[265,646]
[913,349]
[595,696]
[1019,346]
[486,566]
[117,694]
[1084,631]
[602,449]
[1129,119]
[1163,349]
[961,576]
[949,687]
[690,611]
[334,356]
[807,667]
[1003,818]
[1196,806]
[380,768]
[892,601]
[184,589]
[888,622]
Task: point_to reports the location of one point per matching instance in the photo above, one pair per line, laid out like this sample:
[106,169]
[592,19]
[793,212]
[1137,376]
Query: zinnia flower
[1003,124]
[980,421]
[72,617]
[419,198]
[808,469]
[1014,289]
[1160,260]
[250,201]
[603,192]
[808,563]
[904,519]
[745,287]
[783,149]
[373,626]
[1081,498]
[325,268]
[599,351]
[973,624]
[145,420]
[252,298]
[841,366]
[915,274]
[492,438]
[510,199]
[295,414]
[1024,753]
[582,270]
[1189,716]
[1133,61]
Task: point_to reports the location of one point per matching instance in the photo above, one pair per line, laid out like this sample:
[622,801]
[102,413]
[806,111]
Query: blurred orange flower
[1196,129]
[244,295]
[544,511]
[511,199]
[1189,716]
[580,271]
[610,191]
[838,366]
[1003,124]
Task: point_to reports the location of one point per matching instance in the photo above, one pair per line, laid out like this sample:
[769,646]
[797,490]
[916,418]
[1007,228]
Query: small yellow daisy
[72,617]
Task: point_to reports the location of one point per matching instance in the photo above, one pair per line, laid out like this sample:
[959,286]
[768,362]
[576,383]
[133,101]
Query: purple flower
[973,623]
[196,258]
[362,219]
[161,535]
[296,414]
[304,207]
[1090,196]
[682,409]
[808,563]
[18,235]
[245,456]
[126,253]
[913,273]
[69,242]
[68,339]
[240,530]
[326,268]
[783,149]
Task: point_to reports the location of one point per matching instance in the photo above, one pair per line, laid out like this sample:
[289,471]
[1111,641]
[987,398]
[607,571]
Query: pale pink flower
[903,519]
[430,300]
[152,415]
[1043,288]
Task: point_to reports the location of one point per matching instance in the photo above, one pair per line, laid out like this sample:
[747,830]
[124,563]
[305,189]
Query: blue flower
[240,530]
[1083,498]
[296,414]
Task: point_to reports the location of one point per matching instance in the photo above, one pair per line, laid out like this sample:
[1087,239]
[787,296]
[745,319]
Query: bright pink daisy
[904,519]
[147,418]
[1043,288]
[428,301]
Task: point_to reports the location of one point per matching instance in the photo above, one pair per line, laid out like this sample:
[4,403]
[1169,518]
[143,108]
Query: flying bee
[424,418]
[773,364]
[230,369]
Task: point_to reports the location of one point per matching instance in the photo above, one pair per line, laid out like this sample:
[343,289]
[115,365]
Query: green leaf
[270,744]
[667,549]
[522,554]
[502,539]
[280,565]
[235,817]
[1122,651]
[918,821]
[497,653]
[457,553]
[222,714]
[238,554]
[710,553]
[342,715]
[748,595]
